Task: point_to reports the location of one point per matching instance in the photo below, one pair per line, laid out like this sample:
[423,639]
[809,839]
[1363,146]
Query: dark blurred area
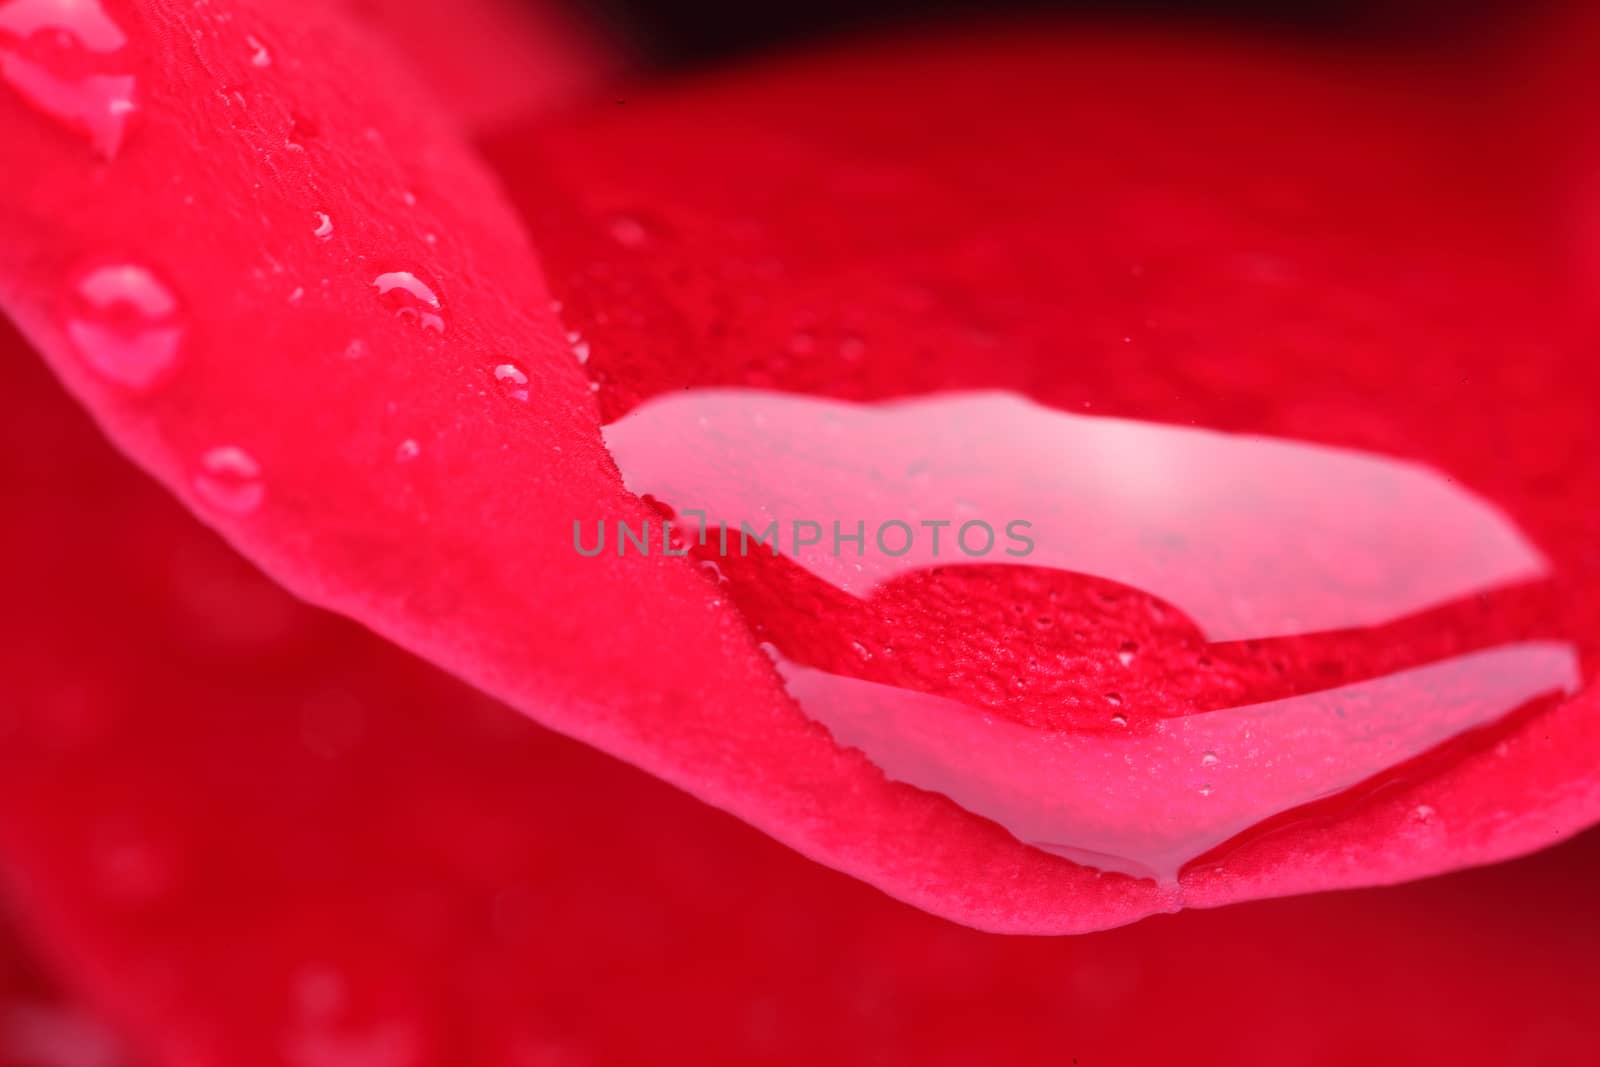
[693,32]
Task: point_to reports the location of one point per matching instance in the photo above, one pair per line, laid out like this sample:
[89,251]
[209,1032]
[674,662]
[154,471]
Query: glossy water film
[1125,642]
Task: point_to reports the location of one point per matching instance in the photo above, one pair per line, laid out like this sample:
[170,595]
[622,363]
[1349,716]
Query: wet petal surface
[303,841]
[1175,343]
[339,402]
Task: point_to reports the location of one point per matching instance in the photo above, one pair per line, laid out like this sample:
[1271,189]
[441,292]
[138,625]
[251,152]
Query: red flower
[1305,301]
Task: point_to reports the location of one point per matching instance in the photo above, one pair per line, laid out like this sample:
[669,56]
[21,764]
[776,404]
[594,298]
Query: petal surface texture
[253,833]
[295,298]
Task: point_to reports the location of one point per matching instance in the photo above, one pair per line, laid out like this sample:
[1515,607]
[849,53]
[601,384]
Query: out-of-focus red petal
[41,1027]
[294,299]
[256,835]
[490,61]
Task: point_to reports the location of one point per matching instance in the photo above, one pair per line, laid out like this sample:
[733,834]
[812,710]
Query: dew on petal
[131,867]
[229,481]
[259,56]
[513,380]
[320,991]
[411,299]
[302,131]
[65,57]
[125,324]
[324,229]
[407,450]
[628,231]
[1209,759]
[580,347]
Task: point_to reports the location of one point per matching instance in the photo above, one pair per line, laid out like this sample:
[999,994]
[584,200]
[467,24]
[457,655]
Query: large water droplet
[125,323]
[1245,565]
[229,480]
[324,229]
[410,299]
[68,58]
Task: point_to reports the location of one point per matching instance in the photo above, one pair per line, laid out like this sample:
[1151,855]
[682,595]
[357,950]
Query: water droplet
[1119,719]
[1205,790]
[125,323]
[356,349]
[1209,759]
[259,56]
[131,866]
[320,992]
[406,451]
[302,131]
[67,59]
[628,232]
[1424,812]
[580,347]
[1114,699]
[513,381]
[324,228]
[410,299]
[229,480]
[802,343]
[1126,653]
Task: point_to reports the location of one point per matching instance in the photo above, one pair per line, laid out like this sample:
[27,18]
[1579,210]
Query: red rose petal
[1222,237]
[493,61]
[338,404]
[253,834]
[41,1027]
